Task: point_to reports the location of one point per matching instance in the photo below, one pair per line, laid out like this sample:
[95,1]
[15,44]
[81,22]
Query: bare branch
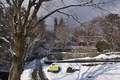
[101,5]
[14,2]
[56,10]
[31,4]
[8,1]
[31,45]
[27,12]
[36,9]
[69,16]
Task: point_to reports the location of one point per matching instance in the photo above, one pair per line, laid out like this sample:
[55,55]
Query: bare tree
[63,33]
[89,32]
[110,27]
[21,25]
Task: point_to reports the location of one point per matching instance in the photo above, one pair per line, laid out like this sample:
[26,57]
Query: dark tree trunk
[16,69]
[17,63]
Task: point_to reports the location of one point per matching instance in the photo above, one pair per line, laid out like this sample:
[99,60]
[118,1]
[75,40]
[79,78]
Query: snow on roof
[104,56]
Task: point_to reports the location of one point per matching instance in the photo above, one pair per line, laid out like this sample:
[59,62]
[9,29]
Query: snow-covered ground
[101,71]
[110,71]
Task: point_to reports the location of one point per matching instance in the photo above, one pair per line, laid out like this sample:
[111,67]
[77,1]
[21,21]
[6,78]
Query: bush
[102,45]
[118,46]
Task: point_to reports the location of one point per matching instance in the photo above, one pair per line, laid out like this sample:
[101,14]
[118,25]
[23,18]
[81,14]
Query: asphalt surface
[38,74]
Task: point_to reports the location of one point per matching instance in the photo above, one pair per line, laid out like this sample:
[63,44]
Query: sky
[82,14]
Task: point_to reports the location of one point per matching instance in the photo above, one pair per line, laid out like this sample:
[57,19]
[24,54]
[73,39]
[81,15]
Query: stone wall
[63,56]
[70,52]
[75,49]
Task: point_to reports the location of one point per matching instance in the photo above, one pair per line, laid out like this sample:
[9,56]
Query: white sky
[81,13]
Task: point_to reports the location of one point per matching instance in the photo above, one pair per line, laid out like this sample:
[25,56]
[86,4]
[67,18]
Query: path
[38,74]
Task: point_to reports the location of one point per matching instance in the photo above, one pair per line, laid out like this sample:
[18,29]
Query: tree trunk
[16,69]
[17,63]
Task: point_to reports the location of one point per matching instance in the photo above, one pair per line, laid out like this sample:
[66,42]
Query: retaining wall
[62,56]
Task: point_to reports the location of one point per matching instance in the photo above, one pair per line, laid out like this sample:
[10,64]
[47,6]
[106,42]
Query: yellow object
[54,68]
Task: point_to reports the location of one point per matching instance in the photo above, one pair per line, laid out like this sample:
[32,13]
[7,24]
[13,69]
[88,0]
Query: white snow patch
[103,71]
[29,68]
[104,56]
[5,39]
[26,75]
[99,72]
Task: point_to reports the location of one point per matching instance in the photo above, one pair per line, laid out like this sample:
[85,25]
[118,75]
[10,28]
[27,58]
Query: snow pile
[109,71]
[99,71]
[27,74]
[29,68]
[104,56]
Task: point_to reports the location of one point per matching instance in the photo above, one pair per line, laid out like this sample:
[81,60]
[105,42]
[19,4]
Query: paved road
[38,74]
